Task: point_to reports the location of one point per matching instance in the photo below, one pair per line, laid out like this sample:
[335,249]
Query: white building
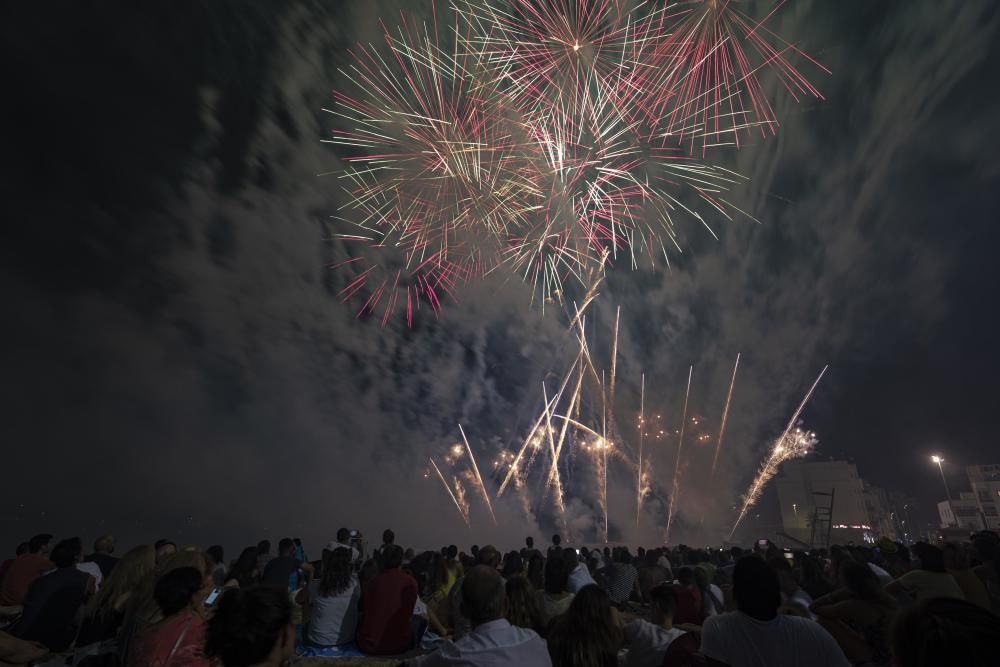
[803,495]
[962,512]
[985,482]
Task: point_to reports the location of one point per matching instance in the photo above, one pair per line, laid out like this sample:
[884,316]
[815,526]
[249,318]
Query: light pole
[938,460]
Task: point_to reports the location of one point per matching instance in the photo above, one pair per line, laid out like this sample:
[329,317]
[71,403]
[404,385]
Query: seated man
[757,636]
[104,546]
[24,570]
[388,607]
[284,571]
[52,603]
[493,640]
[647,642]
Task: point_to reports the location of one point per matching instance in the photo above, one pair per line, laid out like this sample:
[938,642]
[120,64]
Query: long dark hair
[244,570]
[247,624]
[522,607]
[337,572]
[859,579]
[536,570]
[586,635]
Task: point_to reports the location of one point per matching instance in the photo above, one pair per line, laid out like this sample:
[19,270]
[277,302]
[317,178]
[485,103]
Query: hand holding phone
[212,597]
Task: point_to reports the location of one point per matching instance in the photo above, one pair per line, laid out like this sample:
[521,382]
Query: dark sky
[176,362]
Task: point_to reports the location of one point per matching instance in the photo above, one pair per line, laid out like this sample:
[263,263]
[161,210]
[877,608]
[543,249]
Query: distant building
[880,508]
[962,512]
[985,483]
[804,495]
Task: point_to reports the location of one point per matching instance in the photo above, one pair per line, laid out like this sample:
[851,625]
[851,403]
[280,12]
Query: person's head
[67,553]
[286,547]
[556,576]
[392,557]
[522,607]
[337,572]
[21,549]
[388,537]
[701,578]
[860,580]
[105,544]
[946,631]
[955,557]
[39,544]
[178,590]
[409,554]
[452,553]
[536,569]
[130,574]
[570,557]
[512,564]
[164,549]
[786,576]
[931,558]
[245,566]
[343,535]
[685,576]
[488,555]
[664,603]
[756,588]
[474,550]
[216,554]
[264,547]
[529,542]
[588,634]
[483,595]
[556,540]
[251,627]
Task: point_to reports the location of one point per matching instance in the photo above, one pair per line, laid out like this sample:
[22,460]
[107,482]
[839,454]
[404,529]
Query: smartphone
[354,533]
[762,543]
[789,555]
[212,597]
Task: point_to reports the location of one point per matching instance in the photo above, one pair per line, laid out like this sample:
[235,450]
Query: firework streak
[548,138]
[793,443]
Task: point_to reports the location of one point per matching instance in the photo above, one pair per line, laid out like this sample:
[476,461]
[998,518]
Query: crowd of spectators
[160,604]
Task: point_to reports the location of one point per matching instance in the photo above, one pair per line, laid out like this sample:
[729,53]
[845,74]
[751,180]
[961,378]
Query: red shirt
[689,606]
[176,642]
[386,613]
[20,575]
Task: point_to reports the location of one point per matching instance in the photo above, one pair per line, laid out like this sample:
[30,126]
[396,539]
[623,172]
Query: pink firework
[709,90]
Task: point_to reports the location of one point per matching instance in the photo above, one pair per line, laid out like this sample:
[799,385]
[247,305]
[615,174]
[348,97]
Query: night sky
[177,363]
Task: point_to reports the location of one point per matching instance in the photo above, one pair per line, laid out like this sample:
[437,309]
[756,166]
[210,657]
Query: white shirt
[785,641]
[710,609]
[579,578]
[94,570]
[647,643]
[493,644]
[884,578]
[334,618]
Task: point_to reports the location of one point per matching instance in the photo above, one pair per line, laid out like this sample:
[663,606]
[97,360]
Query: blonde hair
[129,575]
[142,608]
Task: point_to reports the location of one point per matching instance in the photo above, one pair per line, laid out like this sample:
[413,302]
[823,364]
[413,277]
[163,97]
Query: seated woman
[180,637]
[103,615]
[859,615]
[251,628]
[244,572]
[589,634]
[555,599]
[522,606]
[333,601]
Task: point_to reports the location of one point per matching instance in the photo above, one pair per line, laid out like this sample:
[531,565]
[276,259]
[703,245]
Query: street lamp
[938,460]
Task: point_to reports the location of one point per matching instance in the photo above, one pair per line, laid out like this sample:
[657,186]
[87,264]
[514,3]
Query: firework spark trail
[675,486]
[447,488]
[725,415]
[538,422]
[784,448]
[604,447]
[479,478]
[554,480]
[460,498]
[709,88]
[642,428]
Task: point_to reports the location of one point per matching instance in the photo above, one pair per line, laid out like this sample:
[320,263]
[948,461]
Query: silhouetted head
[756,588]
